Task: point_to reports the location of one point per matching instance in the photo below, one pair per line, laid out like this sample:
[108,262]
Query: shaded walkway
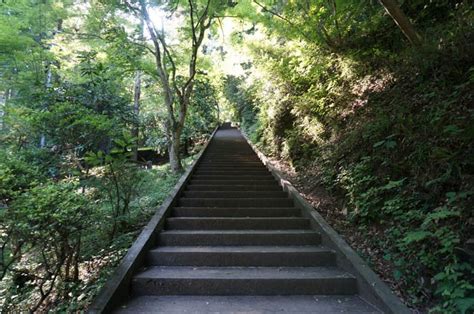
[235,242]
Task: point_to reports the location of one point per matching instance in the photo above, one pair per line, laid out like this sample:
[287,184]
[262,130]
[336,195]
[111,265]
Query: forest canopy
[370,100]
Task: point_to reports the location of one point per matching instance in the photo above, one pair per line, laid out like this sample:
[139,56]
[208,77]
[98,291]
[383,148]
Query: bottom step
[243,281]
[322,304]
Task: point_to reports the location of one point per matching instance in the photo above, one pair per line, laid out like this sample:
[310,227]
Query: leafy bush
[118,181]
[44,228]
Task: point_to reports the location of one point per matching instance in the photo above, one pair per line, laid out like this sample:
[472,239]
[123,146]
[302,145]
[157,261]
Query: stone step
[233,182]
[230,163]
[235,202]
[295,304]
[238,237]
[241,150]
[232,166]
[232,160]
[263,187]
[236,212]
[181,280]
[276,256]
[235,194]
[230,154]
[259,177]
[231,169]
[233,172]
[239,223]
[230,157]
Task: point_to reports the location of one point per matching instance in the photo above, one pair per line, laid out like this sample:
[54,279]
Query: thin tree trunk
[136,113]
[77,255]
[48,84]
[332,4]
[176,98]
[137,90]
[393,9]
[42,142]
[3,109]
[173,150]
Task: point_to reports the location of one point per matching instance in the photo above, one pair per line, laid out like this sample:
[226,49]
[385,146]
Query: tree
[393,9]
[177,89]
[137,90]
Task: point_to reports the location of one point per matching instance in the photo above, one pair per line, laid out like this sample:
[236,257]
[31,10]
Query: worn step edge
[211,188]
[236,223]
[231,160]
[235,202]
[231,166]
[230,163]
[182,280]
[238,237]
[220,172]
[235,194]
[223,256]
[236,212]
[263,177]
[296,304]
[233,181]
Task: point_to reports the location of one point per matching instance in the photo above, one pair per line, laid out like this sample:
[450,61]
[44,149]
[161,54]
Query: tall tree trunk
[48,84]
[3,109]
[174,150]
[137,90]
[176,97]
[42,142]
[136,113]
[393,9]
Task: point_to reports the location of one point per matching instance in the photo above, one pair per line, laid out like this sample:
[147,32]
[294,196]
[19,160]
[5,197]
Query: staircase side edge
[116,289]
[370,286]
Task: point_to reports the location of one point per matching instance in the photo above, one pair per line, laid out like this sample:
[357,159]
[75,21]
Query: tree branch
[193,28]
[173,64]
[160,65]
[282,18]
[204,14]
[144,46]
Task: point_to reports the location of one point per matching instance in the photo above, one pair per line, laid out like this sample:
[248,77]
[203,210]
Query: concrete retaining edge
[371,288]
[117,288]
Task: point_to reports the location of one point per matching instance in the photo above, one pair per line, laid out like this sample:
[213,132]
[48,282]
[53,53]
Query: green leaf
[416,236]
[120,143]
[452,129]
[387,257]
[394,184]
[390,144]
[440,213]
[378,144]
[397,274]
[464,304]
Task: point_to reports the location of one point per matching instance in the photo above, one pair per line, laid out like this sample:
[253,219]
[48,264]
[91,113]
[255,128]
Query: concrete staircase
[235,242]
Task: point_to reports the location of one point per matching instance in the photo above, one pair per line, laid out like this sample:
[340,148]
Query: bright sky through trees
[234,56]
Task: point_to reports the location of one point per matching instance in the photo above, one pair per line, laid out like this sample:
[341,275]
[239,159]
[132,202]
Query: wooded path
[236,243]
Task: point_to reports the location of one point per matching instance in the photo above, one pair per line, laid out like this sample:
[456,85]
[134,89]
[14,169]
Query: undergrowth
[100,254]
